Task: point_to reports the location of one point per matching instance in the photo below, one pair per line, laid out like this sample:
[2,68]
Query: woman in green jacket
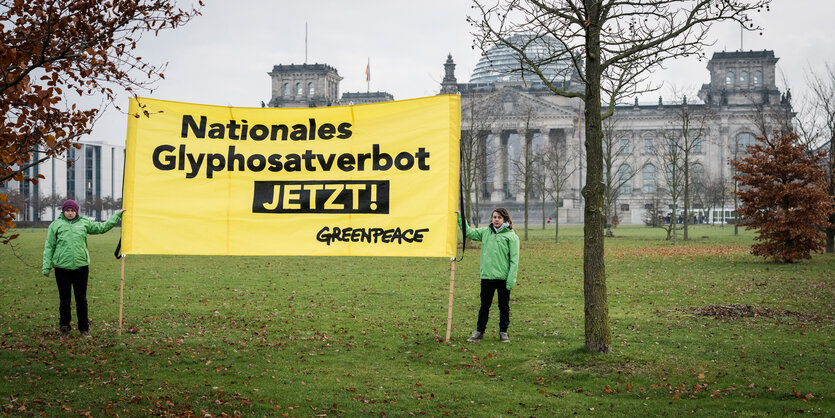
[66,250]
[499,263]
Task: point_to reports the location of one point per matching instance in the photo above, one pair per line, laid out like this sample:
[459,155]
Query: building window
[310,89]
[648,178]
[287,91]
[624,208]
[729,78]
[649,146]
[697,146]
[623,149]
[743,78]
[624,178]
[743,141]
[299,89]
[758,78]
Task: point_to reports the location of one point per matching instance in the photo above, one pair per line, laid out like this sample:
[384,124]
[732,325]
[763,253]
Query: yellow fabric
[216,180]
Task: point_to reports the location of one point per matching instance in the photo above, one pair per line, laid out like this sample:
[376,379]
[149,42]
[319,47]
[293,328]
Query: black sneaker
[503,337]
[65,332]
[477,336]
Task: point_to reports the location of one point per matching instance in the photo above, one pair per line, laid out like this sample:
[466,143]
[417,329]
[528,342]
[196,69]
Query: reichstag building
[739,101]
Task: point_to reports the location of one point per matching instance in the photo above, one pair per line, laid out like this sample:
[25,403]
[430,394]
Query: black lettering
[256,158]
[322,236]
[232,126]
[299,132]
[182,160]
[404,156]
[293,163]
[377,156]
[188,122]
[195,165]
[344,130]
[312,130]
[169,159]
[325,163]
[361,160]
[233,157]
[275,163]
[308,160]
[422,155]
[210,163]
[243,129]
[345,162]
[274,132]
[217,131]
[259,132]
[326,131]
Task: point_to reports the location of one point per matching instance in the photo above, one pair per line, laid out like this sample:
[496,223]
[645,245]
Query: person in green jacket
[499,263]
[66,250]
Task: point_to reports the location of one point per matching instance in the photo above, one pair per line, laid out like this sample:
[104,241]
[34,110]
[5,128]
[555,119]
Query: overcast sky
[223,56]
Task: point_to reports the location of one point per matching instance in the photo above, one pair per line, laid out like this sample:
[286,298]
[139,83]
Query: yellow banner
[366,180]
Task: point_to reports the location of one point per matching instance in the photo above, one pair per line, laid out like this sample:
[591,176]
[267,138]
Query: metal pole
[451,287]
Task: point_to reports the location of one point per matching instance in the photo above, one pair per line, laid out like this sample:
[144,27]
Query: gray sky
[223,57]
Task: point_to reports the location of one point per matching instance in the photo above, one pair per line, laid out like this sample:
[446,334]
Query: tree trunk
[597,332]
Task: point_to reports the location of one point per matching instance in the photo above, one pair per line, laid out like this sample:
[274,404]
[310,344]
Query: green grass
[338,336]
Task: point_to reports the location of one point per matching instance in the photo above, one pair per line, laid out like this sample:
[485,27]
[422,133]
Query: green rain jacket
[499,253]
[66,241]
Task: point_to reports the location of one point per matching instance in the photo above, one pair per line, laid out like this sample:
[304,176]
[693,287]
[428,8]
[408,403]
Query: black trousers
[69,282]
[488,288]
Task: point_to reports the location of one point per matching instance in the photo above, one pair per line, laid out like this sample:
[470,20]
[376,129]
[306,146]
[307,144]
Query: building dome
[501,64]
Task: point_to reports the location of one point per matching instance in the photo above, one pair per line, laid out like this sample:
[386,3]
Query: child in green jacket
[499,263]
[66,250]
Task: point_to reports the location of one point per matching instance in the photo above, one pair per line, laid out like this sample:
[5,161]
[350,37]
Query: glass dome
[501,64]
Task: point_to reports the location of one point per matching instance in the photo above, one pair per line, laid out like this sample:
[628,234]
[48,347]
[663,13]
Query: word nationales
[259,132]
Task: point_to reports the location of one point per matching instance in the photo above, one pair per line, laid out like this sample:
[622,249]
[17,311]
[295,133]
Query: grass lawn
[702,327]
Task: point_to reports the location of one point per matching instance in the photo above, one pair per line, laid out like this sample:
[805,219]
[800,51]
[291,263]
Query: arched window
[649,146]
[697,146]
[758,78]
[310,89]
[287,91]
[648,179]
[298,89]
[729,78]
[743,78]
[742,141]
[625,179]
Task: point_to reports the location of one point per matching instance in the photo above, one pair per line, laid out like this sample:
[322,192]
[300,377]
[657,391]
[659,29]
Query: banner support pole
[451,287]
[121,294]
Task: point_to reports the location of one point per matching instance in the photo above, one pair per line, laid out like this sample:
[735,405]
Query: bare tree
[669,157]
[525,163]
[688,128]
[477,115]
[612,46]
[714,194]
[558,165]
[619,159]
[822,87]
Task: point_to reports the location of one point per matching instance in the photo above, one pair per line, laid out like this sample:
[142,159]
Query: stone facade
[740,102]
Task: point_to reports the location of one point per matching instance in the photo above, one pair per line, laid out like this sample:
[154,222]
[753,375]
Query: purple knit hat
[69,204]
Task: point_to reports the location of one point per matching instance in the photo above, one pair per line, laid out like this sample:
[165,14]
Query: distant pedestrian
[66,250]
[549,220]
[499,264]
